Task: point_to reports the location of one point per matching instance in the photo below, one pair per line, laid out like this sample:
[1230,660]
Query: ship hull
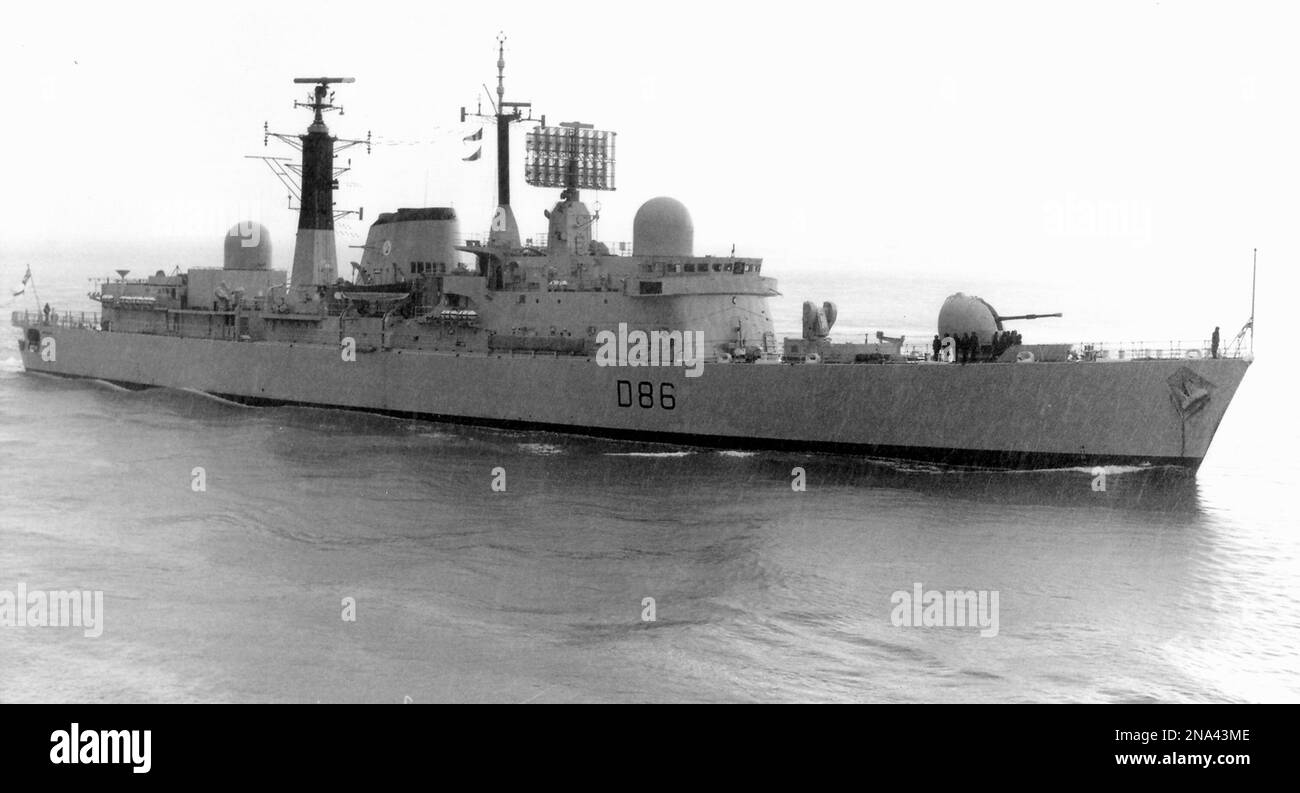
[1030,415]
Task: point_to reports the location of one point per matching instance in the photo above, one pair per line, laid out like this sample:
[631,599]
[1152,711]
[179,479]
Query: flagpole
[35,294]
[1254,267]
[27,281]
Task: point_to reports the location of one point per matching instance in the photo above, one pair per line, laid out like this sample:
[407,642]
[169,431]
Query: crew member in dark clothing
[1214,343]
[937,345]
[47,313]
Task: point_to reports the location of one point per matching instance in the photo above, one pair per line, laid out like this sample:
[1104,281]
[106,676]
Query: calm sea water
[1162,587]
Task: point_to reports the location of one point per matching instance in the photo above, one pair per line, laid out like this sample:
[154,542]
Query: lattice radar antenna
[572,156]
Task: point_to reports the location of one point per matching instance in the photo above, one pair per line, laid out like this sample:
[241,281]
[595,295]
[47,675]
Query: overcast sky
[1080,141]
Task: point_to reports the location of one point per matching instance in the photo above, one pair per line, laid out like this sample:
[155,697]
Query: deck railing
[541,240]
[1154,350]
[88,320]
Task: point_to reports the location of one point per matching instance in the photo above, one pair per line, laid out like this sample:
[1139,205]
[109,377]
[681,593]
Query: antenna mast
[504,228]
[314,255]
[290,174]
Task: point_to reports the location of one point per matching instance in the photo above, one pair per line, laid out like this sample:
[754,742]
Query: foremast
[315,254]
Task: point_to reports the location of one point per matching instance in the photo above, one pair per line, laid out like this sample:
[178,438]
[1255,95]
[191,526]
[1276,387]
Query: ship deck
[1082,351]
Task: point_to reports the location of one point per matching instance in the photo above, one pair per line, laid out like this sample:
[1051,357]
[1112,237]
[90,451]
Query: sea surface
[1161,587]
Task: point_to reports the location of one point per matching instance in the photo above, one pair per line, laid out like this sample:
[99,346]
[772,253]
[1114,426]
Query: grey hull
[991,414]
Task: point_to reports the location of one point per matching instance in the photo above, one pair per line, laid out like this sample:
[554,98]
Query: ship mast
[503,129]
[505,229]
[315,257]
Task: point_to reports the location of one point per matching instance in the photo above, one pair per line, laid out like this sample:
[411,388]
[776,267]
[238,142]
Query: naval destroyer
[650,343]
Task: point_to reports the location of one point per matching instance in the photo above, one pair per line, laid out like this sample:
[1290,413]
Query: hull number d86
[646,394]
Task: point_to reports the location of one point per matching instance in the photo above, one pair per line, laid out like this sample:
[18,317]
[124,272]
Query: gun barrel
[1029,316]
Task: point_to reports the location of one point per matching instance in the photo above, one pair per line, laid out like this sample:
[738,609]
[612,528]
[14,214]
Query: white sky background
[1148,146]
